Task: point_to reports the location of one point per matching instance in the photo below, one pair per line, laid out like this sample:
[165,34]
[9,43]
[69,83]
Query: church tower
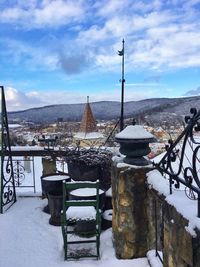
[88,123]
[88,134]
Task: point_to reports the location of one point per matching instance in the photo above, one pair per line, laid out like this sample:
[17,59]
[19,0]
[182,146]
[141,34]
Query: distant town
[92,132]
[30,134]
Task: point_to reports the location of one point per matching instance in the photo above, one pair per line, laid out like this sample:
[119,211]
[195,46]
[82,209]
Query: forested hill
[157,109]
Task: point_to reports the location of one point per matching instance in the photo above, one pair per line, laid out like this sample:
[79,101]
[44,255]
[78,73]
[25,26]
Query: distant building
[88,134]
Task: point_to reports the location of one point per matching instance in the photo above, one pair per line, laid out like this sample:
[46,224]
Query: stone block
[125,201]
[121,185]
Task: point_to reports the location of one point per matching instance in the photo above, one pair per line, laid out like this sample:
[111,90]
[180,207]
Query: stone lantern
[134,144]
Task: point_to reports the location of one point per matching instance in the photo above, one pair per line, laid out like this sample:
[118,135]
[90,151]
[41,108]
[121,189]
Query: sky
[61,51]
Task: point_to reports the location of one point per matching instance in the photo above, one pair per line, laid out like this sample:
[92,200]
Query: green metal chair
[80,242]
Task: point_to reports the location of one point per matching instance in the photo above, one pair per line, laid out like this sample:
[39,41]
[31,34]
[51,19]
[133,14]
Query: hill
[171,110]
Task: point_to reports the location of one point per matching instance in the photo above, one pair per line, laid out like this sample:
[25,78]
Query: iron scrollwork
[7,194]
[19,174]
[8,190]
[180,167]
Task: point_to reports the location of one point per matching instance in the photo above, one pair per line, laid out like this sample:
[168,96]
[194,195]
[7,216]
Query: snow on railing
[181,162]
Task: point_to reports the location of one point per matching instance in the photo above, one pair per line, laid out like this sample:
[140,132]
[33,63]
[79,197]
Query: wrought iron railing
[23,168]
[7,185]
[25,175]
[181,163]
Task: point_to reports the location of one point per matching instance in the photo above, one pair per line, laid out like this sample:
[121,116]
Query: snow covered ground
[28,240]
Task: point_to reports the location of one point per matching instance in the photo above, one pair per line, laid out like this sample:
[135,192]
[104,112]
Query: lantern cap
[135,132]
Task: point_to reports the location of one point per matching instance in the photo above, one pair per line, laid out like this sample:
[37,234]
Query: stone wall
[143,220]
[180,248]
[155,220]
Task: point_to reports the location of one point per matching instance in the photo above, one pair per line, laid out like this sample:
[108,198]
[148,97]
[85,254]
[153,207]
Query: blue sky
[60,51]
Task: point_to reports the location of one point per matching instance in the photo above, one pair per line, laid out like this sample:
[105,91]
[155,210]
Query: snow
[158,182]
[107,215]
[118,161]
[14,125]
[92,135]
[153,259]
[85,192]
[28,240]
[125,165]
[56,178]
[109,192]
[81,213]
[134,132]
[28,148]
[185,206]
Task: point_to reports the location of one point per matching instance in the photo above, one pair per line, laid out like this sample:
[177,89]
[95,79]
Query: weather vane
[121,53]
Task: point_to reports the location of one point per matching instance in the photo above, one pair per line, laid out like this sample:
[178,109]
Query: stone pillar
[129,210]
[49,165]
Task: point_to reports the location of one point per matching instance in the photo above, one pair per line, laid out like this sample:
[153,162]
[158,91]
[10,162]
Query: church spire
[88,123]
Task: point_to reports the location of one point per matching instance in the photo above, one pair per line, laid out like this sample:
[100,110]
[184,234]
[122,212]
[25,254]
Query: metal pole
[33,164]
[122,94]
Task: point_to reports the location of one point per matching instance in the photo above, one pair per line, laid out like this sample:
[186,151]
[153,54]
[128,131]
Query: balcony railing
[24,173]
[181,163]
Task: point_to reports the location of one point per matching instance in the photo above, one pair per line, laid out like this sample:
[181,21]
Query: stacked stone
[129,211]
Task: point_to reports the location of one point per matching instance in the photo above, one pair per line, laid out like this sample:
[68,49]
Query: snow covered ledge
[181,229]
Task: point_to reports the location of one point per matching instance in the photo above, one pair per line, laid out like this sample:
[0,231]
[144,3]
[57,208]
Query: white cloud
[123,25]
[17,100]
[143,34]
[109,7]
[40,14]
[166,47]
[147,6]
[158,34]
[57,13]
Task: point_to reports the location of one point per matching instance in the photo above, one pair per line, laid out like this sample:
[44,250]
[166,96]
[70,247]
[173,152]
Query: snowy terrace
[32,241]
[27,238]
